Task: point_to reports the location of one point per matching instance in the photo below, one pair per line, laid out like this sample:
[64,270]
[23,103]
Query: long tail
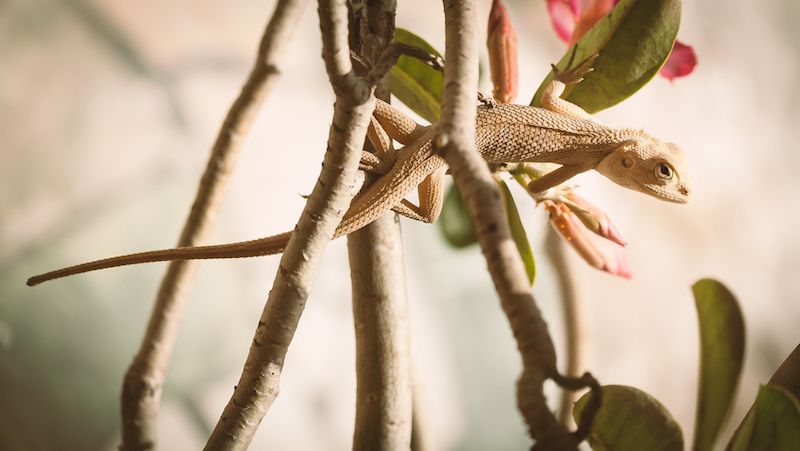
[254,248]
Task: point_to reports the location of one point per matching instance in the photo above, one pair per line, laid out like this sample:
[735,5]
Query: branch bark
[380,311]
[258,384]
[456,142]
[142,385]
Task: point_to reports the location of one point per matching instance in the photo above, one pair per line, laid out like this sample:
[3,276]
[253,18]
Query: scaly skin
[562,133]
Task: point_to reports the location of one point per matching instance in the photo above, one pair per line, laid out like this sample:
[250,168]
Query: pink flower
[571,19]
[502,44]
[599,253]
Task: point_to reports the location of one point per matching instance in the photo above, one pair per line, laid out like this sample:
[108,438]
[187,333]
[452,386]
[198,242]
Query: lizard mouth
[676,196]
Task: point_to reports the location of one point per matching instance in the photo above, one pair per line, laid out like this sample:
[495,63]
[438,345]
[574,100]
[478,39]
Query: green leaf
[455,221]
[518,231]
[631,420]
[772,424]
[415,83]
[722,338]
[633,42]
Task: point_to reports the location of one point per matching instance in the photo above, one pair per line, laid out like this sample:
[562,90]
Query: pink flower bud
[598,253]
[593,218]
[502,44]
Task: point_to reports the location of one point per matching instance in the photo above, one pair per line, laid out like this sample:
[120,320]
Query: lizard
[558,132]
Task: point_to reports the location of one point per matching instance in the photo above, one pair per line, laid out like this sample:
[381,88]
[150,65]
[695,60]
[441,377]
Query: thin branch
[455,141]
[380,307]
[573,321]
[380,314]
[141,391]
[333,192]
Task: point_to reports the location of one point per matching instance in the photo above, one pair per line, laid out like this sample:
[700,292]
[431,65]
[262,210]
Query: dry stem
[455,141]
[141,392]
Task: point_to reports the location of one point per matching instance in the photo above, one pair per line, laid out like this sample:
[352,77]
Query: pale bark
[380,310]
[455,141]
[330,198]
[142,386]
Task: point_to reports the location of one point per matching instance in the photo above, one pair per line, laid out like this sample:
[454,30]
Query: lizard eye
[664,171]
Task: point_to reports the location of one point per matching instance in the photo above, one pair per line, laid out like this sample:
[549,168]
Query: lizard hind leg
[431,199]
[398,125]
[383,157]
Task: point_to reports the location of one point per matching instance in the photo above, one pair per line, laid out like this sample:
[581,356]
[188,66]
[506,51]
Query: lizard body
[559,133]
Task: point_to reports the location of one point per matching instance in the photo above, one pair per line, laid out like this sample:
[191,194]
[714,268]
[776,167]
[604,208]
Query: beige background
[107,112]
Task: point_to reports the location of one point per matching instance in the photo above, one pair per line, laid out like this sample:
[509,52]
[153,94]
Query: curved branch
[141,390]
[455,141]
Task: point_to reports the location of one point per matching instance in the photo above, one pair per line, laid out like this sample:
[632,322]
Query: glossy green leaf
[633,42]
[631,420]
[416,84]
[455,221]
[518,231]
[772,424]
[722,339]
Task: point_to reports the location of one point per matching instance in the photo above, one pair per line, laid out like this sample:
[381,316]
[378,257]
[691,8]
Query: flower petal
[502,44]
[563,15]
[681,62]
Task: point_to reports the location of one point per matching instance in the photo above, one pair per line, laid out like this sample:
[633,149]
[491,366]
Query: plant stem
[573,321]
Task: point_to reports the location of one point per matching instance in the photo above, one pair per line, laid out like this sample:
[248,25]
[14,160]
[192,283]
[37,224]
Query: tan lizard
[561,133]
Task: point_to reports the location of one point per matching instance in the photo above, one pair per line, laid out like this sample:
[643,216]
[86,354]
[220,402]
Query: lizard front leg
[555,177]
[551,96]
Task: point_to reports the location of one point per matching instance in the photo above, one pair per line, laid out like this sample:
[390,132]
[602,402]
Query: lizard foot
[375,164]
[486,100]
[574,75]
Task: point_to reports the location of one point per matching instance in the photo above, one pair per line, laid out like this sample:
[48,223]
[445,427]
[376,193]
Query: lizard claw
[486,100]
[574,75]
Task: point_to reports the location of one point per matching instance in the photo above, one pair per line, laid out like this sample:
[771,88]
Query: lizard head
[650,166]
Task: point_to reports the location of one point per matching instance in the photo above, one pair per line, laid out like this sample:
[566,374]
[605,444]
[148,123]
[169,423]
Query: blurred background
[108,110]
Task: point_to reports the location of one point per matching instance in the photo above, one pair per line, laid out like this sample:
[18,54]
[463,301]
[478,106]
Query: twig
[455,141]
[380,312]
[333,192]
[141,391]
[573,321]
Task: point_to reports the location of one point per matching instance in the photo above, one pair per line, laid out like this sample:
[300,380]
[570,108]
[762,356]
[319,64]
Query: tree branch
[456,142]
[380,311]
[141,391]
[333,192]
